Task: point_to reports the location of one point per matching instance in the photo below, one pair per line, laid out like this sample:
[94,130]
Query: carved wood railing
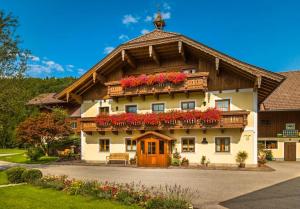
[230,119]
[193,82]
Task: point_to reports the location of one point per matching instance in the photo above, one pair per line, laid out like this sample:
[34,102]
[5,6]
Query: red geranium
[151,119]
[133,119]
[103,121]
[210,116]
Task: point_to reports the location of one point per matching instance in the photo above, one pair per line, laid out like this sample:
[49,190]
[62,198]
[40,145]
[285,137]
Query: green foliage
[31,175]
[269,155]
[3,178]
[160,203]
[34,153]
[14,175]
[175,162]
[241,156]
[14,94]
[203,159]
[125,197]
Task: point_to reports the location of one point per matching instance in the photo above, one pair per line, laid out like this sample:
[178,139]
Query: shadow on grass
[284,195]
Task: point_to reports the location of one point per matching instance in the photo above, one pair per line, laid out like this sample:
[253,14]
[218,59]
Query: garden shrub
[269,155]
[160,203]
[54,182]
[31,175]
[125,197]
[175,162]
[34,153]
[14,175]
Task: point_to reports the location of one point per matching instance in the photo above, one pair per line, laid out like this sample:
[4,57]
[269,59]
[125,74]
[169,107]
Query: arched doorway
[153,149]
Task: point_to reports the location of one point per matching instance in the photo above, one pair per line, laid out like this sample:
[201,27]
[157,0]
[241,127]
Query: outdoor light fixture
[204,141]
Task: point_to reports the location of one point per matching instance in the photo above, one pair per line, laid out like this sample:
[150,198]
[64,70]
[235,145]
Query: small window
[161,147]
[261,144]
[189,71]
[131,109]
[104,145]
[188,105]
[271,144]
[159,107]
[188,144]
[222,144]
[73,125]
[151,148]
[104,110]
[130,145]
[223,104]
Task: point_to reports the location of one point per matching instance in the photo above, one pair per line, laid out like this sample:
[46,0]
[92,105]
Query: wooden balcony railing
[231,119]
[193,82]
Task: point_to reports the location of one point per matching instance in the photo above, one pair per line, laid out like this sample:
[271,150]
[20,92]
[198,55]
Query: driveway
[213,186]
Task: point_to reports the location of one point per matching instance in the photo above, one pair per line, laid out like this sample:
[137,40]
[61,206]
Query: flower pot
[242,165]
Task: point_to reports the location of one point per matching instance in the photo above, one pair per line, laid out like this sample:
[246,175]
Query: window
[188,105]
[265,122]
[222,144]
[104,110]
[187,71]
[267,144]
[151,148]
[104,145]
[159,107]
[131,108]
[130,145]
[188,144]
[223,104]
[73,125]
[161,147]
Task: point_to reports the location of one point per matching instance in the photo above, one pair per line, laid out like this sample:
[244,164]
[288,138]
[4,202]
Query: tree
[13,59]
[44,128]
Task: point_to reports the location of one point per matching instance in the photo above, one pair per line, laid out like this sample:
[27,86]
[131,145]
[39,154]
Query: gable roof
[158,37]
[287,94]
[46,98]
[155,134]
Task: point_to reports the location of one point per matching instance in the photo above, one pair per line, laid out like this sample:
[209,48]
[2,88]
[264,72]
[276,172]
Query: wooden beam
[98,77]
[181,50]
[153,54]
[217,66]
[68,96]
[126,57]
[257,83]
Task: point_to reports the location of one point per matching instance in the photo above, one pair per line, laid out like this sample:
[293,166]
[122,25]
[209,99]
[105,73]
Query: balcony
[193,82]
[230,119]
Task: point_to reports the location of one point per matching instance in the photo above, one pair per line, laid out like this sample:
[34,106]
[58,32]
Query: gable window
[131,108]
[130,145]
[188,144]
[104,110]
[73,125]
[190,105]
[223,104]
[158,107]
[104,145]
[222,144]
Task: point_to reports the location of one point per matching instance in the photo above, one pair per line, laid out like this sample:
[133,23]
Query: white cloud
[108,49]
[53,66]
[128,19]
[145,31]
[80,71]
[70,66]
[123,37]
[166,6]
[148,18]
[166,15]
[34,58]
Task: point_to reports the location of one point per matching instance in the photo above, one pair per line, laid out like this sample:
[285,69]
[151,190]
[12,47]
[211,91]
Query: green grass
[21,157]
[30,197]
[3,178]
[12,151]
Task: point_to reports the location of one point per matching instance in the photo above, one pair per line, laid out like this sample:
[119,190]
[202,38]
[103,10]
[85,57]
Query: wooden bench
[117,157]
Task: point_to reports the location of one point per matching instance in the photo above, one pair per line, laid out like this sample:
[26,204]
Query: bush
[54,182]
[35,153]
[125,198]
[241,157]
[14,175]
[160,203]
[175,162]
[185,161]
[31,175]
[269,155]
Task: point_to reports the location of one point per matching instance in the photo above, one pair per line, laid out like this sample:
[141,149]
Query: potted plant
[261,158]
[241,158]
[185,162]
[175,161]
[203,160]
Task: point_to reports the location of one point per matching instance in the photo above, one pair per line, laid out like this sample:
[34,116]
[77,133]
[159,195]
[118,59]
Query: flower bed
[165,197]
[149,80]
[210,117]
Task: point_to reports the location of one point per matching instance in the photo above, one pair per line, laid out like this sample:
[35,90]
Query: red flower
[103,121]
[151,119]
[211,116]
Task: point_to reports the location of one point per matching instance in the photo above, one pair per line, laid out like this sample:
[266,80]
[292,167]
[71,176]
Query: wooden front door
[152,152]
[290,151]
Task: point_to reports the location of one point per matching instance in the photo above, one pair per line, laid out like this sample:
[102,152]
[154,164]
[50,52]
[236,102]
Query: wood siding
[272,123]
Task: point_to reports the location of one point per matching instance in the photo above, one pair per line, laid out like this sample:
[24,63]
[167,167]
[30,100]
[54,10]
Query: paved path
[213,186]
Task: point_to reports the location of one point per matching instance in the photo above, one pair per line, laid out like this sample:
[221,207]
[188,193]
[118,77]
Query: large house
[164,92]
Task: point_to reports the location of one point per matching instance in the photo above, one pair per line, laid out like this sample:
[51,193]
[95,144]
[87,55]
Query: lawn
[3,178]
[26,196]
[21,157]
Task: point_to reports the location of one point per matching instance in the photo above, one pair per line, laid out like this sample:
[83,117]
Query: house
[163,92]
[279,119]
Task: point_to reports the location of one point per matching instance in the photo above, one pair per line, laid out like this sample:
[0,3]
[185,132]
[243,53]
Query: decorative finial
[159,21]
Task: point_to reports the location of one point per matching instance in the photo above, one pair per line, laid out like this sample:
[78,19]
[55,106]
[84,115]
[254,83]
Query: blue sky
[67,37]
